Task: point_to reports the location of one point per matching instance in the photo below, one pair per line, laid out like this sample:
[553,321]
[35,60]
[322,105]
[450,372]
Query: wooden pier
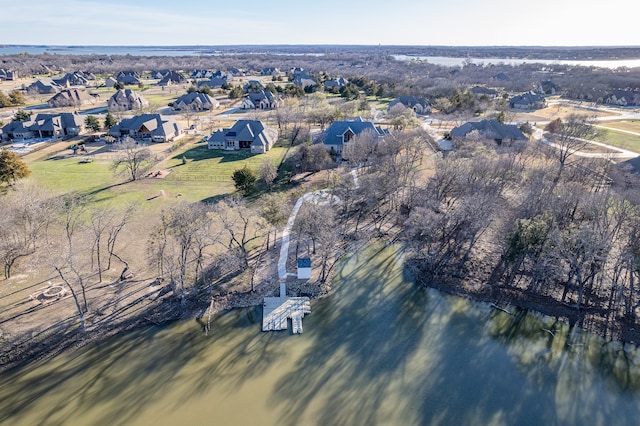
[277,310]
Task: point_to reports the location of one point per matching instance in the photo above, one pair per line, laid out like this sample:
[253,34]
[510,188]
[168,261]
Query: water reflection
[379,350]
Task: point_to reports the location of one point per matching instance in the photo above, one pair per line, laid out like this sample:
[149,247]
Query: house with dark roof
[126,100]
[215,82]
[128,78]
[195,101]
[44,86]
[71,98]
[72,79]
[339,133]
[303,79]
[260,100]
[151,127]
[484,91]
[44,126]
[172,78]
[8,75]
[548,87]
[253,86]
[334,84]
[622,98]
[488,129]
[418,105]
[245,134]
[160,74]
[270,71]
[528,101]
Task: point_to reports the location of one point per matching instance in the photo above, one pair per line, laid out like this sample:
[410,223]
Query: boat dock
[277,310]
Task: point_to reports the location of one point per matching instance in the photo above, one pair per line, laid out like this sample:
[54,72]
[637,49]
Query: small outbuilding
[304,268]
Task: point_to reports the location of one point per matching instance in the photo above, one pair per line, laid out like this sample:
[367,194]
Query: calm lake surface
[458,62]
[379,350]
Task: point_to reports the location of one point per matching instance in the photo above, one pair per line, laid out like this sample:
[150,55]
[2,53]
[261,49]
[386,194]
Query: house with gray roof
[484,91]
[8,75]
[215,82]
[528,101]
[172,78]
[195,101]
[622,98]
[488,129]
[71,98]
[151,127]
[128,77]
[72,79]
[44,86]
[418,105]
[44,126]
[339,133]
[253,86]
[260,100]
[335,84]
[126,100]
[302,79]
[245,134]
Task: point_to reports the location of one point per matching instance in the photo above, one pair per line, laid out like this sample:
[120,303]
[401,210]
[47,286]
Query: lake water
[378,350]
[458,62]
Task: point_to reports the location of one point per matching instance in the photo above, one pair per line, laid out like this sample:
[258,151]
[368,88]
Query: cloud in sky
[197,22]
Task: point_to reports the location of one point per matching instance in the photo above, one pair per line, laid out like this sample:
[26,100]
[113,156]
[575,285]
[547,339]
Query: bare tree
[275,211]
[268,172]
[134,159]
[25,216]
[570,136]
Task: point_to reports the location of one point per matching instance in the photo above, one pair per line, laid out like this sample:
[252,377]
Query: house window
[348,135]
[230,144]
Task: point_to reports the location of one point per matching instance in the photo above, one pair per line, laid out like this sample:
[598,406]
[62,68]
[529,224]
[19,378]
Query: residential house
[71,98]
[253,86]
[128,78]
[126,100]
[195,101]
[245,134]
[8,75]
[335,84]
[236,71]
[418,105]
[44,126]
[260,100]
[501,77]
[339,133]
[303,79]
[160,74]
[622,98]
[72,79]
[214,82]
[484,91]
[528,101]
[44,86]
[151,127]
[110,82]
[172,78]
[488,129]
[270,71]
[548,87]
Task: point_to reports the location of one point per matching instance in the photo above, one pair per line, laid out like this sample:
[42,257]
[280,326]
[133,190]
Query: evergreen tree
[109,121]
[92,123]
[244,179]
[12,167]
[16,97]
[21,115]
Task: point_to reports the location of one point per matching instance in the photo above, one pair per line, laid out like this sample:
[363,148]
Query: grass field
[205,175]
[620,139]
[628,125]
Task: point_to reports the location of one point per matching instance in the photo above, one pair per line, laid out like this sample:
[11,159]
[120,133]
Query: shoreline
[166,311]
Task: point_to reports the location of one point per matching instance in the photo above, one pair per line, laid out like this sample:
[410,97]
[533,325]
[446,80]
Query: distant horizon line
[596,46]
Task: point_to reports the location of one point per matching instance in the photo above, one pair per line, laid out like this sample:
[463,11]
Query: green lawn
[620,139]
[205,176]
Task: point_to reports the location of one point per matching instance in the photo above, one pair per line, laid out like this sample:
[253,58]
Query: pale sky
[372,22]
